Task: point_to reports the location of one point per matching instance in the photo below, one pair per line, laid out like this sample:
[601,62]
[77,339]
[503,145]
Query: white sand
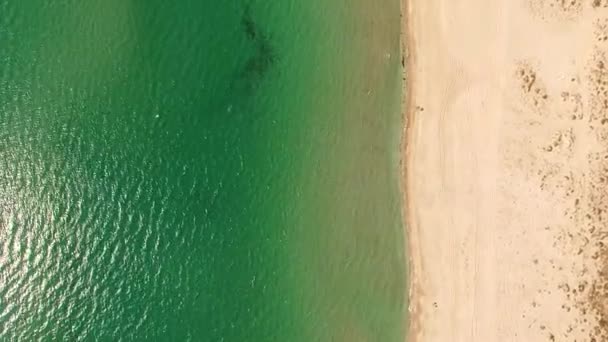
[506,164]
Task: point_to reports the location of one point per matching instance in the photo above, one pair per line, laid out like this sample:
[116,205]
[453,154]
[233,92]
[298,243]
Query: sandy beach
[506,169]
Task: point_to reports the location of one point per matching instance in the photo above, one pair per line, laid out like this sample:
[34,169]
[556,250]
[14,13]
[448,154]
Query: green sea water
[200,170]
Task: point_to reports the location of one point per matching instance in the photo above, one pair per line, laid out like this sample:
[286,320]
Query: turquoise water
[200,170]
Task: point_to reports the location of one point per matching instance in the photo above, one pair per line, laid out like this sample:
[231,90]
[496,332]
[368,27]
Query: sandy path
[507,170]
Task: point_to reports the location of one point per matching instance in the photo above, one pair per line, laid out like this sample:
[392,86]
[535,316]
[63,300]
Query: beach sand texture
[506,168]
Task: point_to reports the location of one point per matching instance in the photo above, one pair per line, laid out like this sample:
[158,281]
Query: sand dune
[506,169]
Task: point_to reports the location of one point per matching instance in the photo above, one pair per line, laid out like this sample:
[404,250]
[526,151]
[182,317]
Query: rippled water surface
[200,170]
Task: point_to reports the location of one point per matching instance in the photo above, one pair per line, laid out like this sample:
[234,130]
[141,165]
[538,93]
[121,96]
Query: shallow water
[197,171]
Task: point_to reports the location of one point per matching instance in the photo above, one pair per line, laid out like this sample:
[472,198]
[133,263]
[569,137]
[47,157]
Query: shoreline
[503,171]
[407,55]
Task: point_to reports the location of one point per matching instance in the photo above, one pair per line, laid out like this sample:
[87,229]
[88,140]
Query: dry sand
[506,169]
